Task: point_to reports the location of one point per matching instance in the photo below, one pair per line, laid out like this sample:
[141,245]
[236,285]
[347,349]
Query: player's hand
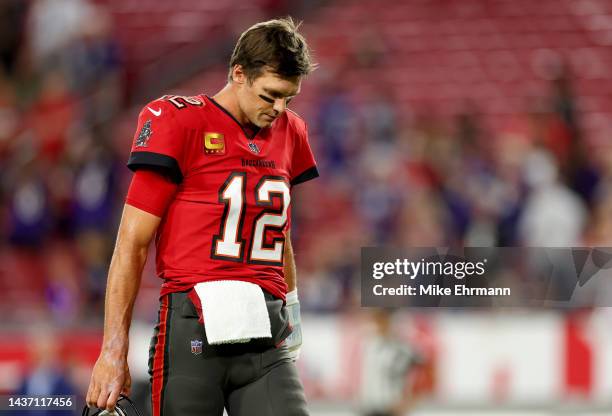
[294,341]
[109,379]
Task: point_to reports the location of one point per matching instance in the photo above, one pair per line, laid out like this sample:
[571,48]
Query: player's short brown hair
[276,44]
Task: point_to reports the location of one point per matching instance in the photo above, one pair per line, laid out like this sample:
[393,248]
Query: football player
[212,182]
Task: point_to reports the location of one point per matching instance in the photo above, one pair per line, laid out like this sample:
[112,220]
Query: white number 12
[228,244]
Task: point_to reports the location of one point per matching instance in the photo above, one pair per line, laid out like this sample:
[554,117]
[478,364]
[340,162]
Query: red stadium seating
[493,51]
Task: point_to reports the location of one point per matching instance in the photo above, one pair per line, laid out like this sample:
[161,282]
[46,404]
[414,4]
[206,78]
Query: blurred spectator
[600,221]
[9,118]
[53,116]
[388,366]
[63,289]
[52,26]
[336,125]
[29,214]
[379,118]
[369,47]
[563,100]
[12,24]
[423,221]
[94,52]
[381,196]
[554,215]
[47,375]
[94,194]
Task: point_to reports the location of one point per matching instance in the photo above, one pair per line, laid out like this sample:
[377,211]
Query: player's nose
[280,105]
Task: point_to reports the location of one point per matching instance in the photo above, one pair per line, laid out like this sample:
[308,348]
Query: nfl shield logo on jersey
[196,346]
[253,147]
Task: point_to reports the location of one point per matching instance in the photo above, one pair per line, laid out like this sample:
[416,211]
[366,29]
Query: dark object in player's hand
[124,407]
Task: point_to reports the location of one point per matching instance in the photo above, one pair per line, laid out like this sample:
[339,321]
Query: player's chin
[266,120]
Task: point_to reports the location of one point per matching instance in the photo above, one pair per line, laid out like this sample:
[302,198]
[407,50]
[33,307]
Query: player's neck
[226,98]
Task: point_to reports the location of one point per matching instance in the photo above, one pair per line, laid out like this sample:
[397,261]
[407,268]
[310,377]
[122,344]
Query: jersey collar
[248,132]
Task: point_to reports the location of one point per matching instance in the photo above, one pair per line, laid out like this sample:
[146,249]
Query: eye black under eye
[266,99]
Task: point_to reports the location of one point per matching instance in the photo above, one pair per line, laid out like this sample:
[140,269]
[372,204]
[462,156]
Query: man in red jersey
[212,183]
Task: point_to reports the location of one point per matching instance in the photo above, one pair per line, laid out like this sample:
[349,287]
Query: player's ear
[238,75]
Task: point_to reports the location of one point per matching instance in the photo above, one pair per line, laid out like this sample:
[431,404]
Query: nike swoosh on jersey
[155,113]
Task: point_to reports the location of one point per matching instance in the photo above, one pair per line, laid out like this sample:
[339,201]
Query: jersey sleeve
[159,142]
[151,192]
[303,165]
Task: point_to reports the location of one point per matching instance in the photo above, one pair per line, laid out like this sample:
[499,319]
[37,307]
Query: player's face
[266,97]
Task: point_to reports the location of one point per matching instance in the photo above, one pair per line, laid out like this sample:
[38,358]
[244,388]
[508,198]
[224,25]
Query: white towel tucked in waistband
[234,311]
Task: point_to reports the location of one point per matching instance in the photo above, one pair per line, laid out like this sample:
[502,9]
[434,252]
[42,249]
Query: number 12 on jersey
[228,244]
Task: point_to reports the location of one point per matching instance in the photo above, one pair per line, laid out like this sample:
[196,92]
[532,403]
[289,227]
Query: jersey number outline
[181,101]
[228,243]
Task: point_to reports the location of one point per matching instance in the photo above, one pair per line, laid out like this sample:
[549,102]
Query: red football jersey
[230,215]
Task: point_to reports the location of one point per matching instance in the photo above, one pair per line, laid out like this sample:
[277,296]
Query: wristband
[292,297]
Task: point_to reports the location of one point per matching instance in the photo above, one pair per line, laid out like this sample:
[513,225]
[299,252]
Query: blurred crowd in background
[434,123]
[396,169]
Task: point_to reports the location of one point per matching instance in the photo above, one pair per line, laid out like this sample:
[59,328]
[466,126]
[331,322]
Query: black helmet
[124,407]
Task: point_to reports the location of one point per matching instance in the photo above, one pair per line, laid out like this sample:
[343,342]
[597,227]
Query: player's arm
[149,195]
[111,375]
[289,265]
[303,168]
[293,341]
